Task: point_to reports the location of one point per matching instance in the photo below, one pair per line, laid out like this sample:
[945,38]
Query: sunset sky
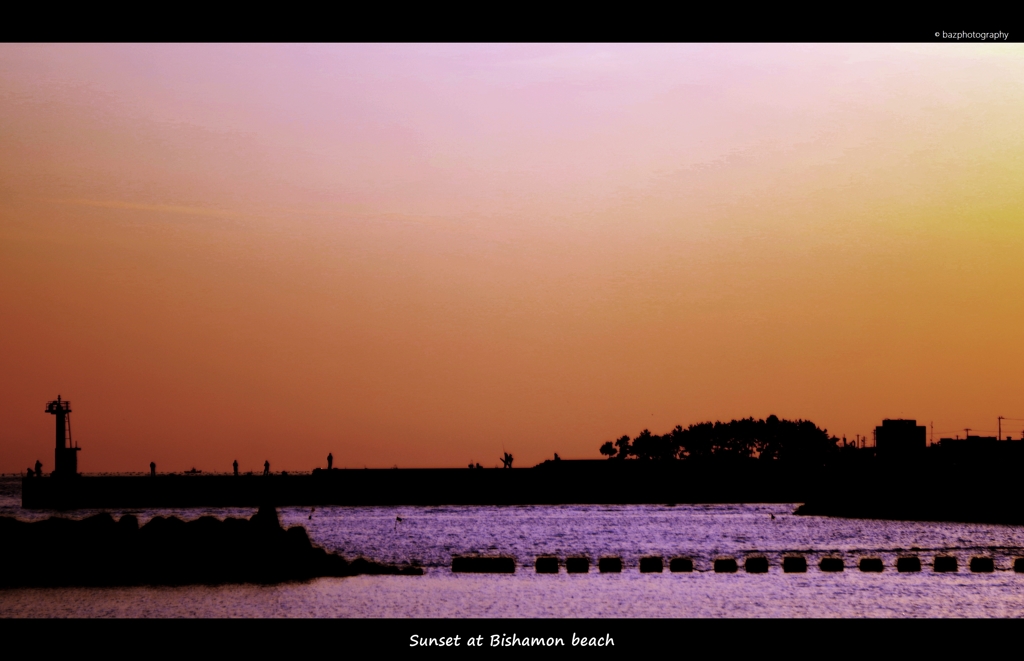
[423,255]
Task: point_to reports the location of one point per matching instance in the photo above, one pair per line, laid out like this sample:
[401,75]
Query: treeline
[771,439]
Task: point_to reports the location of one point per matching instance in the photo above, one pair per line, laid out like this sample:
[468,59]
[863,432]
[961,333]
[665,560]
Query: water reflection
[431,536]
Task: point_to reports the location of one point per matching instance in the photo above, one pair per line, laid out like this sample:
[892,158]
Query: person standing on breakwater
[330,460]
[234,465]
[152,469]
[39,468]
[266,467]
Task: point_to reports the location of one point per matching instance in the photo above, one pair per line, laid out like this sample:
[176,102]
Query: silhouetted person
[557,458]
[39,468]
[330,461]
[506,461]
[266,467]
[235,466]
[28,472]
[152,469]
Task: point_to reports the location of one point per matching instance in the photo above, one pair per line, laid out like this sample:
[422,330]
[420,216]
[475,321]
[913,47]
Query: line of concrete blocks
[754,564]
[797,564]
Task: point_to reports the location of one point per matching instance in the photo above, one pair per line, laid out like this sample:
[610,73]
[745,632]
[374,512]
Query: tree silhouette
[771,439]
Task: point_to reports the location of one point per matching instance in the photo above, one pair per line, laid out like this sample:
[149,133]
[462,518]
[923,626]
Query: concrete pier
[908,563]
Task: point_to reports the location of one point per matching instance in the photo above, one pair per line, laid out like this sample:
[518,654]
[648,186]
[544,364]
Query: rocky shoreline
[102,551]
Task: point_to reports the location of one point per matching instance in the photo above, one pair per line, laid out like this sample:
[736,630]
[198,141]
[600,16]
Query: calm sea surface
[432,535]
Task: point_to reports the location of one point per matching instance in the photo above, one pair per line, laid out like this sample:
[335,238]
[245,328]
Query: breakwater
[100,551]
[966,491]
[926,491]
[906,562]
[554,483]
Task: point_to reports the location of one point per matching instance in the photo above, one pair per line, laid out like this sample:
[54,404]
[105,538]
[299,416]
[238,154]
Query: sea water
[431,536]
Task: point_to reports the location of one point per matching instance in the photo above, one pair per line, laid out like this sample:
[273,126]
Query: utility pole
[1000,432]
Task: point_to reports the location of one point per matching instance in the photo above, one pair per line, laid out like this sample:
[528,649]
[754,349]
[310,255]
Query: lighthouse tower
[65,457]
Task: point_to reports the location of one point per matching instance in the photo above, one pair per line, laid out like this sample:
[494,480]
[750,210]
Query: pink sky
[419,254]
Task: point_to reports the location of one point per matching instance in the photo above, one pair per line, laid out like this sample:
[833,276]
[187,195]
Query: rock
[651,564]
[167,551]
[129,522]
[831,564]
[908,563]
[546,565]
[266,517]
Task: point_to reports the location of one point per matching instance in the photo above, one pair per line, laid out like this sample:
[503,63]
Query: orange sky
[421,255]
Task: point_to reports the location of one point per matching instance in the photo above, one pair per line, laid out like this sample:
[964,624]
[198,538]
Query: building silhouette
[900,439]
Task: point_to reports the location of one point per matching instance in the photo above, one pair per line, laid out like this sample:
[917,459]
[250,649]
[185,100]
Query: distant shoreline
[564,482]
[927,492]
